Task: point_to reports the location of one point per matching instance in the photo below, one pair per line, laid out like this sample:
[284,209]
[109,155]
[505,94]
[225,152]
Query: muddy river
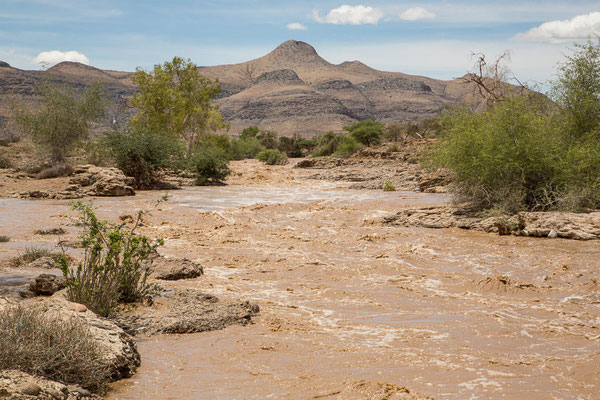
[347,303]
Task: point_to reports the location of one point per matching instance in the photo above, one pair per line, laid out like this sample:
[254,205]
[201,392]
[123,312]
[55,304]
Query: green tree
[62,120]
[175,98]
[366,132]
[577,88]
[249,133]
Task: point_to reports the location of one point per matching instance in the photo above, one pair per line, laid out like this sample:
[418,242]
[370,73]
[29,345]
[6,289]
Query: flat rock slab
[186,311]
[173,269]
[566,225]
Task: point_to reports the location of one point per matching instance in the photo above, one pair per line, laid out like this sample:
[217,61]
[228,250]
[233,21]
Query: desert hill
[290,90]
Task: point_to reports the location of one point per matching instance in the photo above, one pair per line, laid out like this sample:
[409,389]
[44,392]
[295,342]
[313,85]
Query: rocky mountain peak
[293,51]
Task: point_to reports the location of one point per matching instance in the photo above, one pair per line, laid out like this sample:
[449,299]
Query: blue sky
[433,38]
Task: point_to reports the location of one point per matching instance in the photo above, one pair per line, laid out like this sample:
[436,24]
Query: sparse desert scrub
[4,238]
[50,231]
[5,162]
[60,350]
[31,254]
[113,268]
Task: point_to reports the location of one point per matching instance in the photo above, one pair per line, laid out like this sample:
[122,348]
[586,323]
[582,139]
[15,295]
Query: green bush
[269,139]
[326,143]
[347,146]
[291,146]
[63,119]
[139,152]
[307,145]
[210,164]
[245,148]
[366,132]
[220,141]
[57,349]
[113,268]
[516,156]
[249,133]
[272,157]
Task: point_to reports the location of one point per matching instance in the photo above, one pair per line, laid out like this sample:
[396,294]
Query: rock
[175,269]
[47,284]
[43,262]
[552,234]
[29,388]
[18,385]
[121,356]
[186,311]
[100,181]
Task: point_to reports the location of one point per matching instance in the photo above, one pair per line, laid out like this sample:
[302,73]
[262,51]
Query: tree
[366,132]
[249,132]
[176,99]
[577,88]
[62,120]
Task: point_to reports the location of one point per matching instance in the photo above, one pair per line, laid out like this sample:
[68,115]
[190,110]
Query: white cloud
[296,26]
[576,28]
[49,58]
[416,13]
[352,15]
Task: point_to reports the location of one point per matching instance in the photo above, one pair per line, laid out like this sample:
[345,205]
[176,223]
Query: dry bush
[50,231]
[55,171]
[60,350]
[31,254]
[4,238]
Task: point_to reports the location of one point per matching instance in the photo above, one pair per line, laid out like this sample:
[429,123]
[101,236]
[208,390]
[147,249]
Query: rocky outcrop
[100,181]
[186,311]
[533,224]
[18,385]
[47,284]
[120,352]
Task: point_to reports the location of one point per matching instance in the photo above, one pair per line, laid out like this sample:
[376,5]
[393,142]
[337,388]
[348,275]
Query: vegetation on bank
[526,152]
[60,350]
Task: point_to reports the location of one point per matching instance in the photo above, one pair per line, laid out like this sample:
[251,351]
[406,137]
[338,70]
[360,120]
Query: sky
[433,38]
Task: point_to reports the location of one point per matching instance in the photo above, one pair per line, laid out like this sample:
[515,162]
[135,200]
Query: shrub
[245,148]
[113,268]
[307,144]
[347,146]
[515,156]
[4,238]
[139,153]
[366,132]
[249,133]
[389,187]
[5,161]
[63,119]
[269,139]
[221,141]
[290,146]
[60,350]
[8,138]
[272,157]
[50,231]
[55,171]
[326,143]
[33,253]
[210,165]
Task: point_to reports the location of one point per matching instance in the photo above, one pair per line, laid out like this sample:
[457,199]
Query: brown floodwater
[344,299]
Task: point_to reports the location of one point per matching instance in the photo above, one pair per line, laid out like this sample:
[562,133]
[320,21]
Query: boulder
[18,385]
[170,269]
[47,284]
[101,181]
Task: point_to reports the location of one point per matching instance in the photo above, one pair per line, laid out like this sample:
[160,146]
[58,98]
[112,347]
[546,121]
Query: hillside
[290,90]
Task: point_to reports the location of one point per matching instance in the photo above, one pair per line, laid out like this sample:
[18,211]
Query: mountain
[290,90]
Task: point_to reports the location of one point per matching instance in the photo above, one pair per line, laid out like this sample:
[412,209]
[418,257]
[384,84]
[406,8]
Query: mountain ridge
[291,89]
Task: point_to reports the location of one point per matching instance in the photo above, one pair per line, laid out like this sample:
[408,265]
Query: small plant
[211,165]
[50,231]
[113,268]
[389,187]
[272,157]
[60,350]
[31,254]
[4,239]
[5,162]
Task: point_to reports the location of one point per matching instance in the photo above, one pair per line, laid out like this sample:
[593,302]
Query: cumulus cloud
[49,58]
[352,15]
[416,13]
[576,28]
[296,26]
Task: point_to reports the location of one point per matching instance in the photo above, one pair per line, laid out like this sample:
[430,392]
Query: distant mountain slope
[290,90]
